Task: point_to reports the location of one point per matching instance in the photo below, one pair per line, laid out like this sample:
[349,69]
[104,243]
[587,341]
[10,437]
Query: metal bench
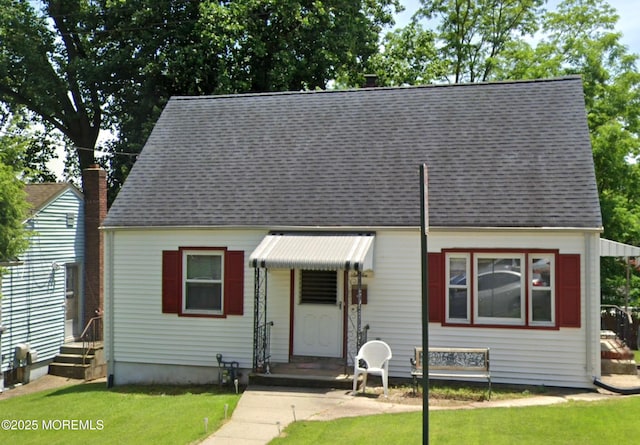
[452,363]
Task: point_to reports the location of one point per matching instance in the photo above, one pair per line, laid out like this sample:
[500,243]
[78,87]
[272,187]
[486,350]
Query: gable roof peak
[374,90]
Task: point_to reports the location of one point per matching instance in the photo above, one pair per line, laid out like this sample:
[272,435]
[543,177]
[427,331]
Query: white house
[244,210]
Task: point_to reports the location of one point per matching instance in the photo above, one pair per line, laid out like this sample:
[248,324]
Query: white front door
[318,314]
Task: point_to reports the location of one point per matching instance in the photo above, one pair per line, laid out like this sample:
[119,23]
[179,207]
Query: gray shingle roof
[511,154]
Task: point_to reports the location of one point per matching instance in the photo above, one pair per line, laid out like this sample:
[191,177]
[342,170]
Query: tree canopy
[13,205]
[86,65]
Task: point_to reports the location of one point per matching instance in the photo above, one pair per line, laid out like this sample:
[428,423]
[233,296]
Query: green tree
[47,65]
[409,56]
[83,65]
[13,206]
[39,145]
[220,47]
[472,34]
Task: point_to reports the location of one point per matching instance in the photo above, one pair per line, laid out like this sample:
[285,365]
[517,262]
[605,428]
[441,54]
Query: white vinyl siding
[551,357]
[142,334]
[33,294]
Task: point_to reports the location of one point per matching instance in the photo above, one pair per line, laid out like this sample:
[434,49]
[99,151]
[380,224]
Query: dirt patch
[406,396]
[457,395]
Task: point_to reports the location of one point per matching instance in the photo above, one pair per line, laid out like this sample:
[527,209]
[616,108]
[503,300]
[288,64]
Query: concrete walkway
[263,412]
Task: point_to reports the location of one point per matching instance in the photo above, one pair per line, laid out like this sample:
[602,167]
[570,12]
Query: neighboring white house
[41,304]
[282,207]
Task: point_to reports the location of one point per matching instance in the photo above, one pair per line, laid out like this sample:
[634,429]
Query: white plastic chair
[376,355]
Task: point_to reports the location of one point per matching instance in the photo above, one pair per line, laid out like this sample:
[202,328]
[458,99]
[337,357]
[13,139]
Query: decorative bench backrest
[454,359]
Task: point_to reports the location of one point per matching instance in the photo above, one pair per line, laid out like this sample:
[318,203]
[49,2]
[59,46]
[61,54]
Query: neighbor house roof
[509,154]
[40,195]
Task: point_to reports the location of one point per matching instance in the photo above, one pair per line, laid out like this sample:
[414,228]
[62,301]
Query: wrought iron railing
[618,320]
[91,334]
[364,334]
[263,351]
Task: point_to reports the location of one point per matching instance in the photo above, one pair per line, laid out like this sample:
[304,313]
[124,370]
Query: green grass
[582,423]
[637,356]
[128,414]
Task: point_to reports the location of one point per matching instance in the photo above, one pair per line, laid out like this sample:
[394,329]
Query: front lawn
[91,413]
[580,423]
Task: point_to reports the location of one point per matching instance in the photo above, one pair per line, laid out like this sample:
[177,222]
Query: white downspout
[108,307]
[592,304]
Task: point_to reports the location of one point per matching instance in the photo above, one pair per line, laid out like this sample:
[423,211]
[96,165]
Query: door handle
[340,305]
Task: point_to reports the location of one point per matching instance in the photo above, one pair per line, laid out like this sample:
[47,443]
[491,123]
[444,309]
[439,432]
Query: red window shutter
[171,281]
[234,282]
[568,287]
[436,287]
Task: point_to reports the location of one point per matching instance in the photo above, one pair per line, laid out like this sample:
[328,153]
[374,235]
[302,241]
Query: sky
[628,23]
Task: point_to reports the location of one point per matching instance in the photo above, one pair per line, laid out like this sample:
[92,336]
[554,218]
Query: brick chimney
[94,183]
[370,81]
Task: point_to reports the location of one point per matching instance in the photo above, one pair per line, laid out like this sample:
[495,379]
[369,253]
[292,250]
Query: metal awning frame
[610,248]
[615,249]
[315,251]
[357,259]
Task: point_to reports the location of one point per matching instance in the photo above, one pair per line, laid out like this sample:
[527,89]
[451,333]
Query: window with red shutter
[204,284]
[528,288]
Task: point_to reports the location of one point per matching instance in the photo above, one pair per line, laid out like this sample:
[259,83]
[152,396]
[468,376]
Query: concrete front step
[302,381]
[78,371]
[74,361]
[77,359]
[614,366]
[616,357]
[77,348]
[69,370]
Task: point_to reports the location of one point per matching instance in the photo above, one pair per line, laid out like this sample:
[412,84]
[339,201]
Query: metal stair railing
[91,334]
[623,321]
[263,335]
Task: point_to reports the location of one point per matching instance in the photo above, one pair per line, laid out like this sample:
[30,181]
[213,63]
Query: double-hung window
[542,297]
[458,301]
[203,289]
[203,282]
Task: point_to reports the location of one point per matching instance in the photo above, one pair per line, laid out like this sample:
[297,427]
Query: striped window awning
[315,251]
